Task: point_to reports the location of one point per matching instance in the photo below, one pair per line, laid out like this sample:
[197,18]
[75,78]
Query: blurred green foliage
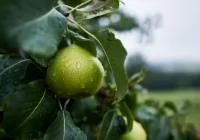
[158,79]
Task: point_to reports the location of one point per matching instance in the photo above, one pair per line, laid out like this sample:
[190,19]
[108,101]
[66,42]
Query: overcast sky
[178,39]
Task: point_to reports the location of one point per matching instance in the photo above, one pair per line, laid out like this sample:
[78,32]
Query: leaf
[118,128]
[83,42]
[85,109]
[12,71]
[170,105]
[87,129]
[146,113]
[63,128]
[131,101]
[96,9]
[159,129]
[34,26]
[29,111]
[125,110]
[125,22]
[107,125]
[115,54]
[138,77]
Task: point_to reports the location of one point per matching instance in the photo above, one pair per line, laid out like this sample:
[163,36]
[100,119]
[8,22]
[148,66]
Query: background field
[178,96]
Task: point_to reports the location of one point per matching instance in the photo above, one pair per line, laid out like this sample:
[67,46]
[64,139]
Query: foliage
[31,34]
[165,121]
[158,78]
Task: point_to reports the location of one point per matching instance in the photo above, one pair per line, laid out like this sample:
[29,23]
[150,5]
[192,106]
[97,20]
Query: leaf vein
[63,126]
[110,127]
[13,65]
[29,116]
[32,21]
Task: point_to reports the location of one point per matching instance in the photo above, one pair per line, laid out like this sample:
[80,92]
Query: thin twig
[63,5]
[72,9]
[60,104]
[90,34]
[78,6]
[66,103]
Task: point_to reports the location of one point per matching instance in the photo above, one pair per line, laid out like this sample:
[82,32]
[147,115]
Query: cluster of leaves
[165,121]
[31,33]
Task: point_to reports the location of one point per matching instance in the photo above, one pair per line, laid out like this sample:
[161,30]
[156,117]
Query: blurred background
[165,40]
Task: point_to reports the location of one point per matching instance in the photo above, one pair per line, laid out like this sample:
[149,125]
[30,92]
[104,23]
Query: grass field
[178,96]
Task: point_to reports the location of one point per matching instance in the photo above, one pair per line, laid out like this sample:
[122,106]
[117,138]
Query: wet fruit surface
[75,73]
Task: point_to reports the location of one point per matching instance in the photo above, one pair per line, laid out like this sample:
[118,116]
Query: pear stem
[60,104]
[66,103]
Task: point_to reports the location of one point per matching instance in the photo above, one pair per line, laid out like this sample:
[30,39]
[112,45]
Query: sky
[178,38]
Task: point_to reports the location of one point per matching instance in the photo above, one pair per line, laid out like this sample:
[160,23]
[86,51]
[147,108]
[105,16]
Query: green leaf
[131,101]
[83,42]
[116,55]
[107,125]
[12,70]
[87,129]
[97,8]
[118,128]
[29,111]
[63,128]
[126,21]
[146,113]
[34,26]
[138,77]
[169,109]
[85,109]
[171,106]
[159,129]
[125,110]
